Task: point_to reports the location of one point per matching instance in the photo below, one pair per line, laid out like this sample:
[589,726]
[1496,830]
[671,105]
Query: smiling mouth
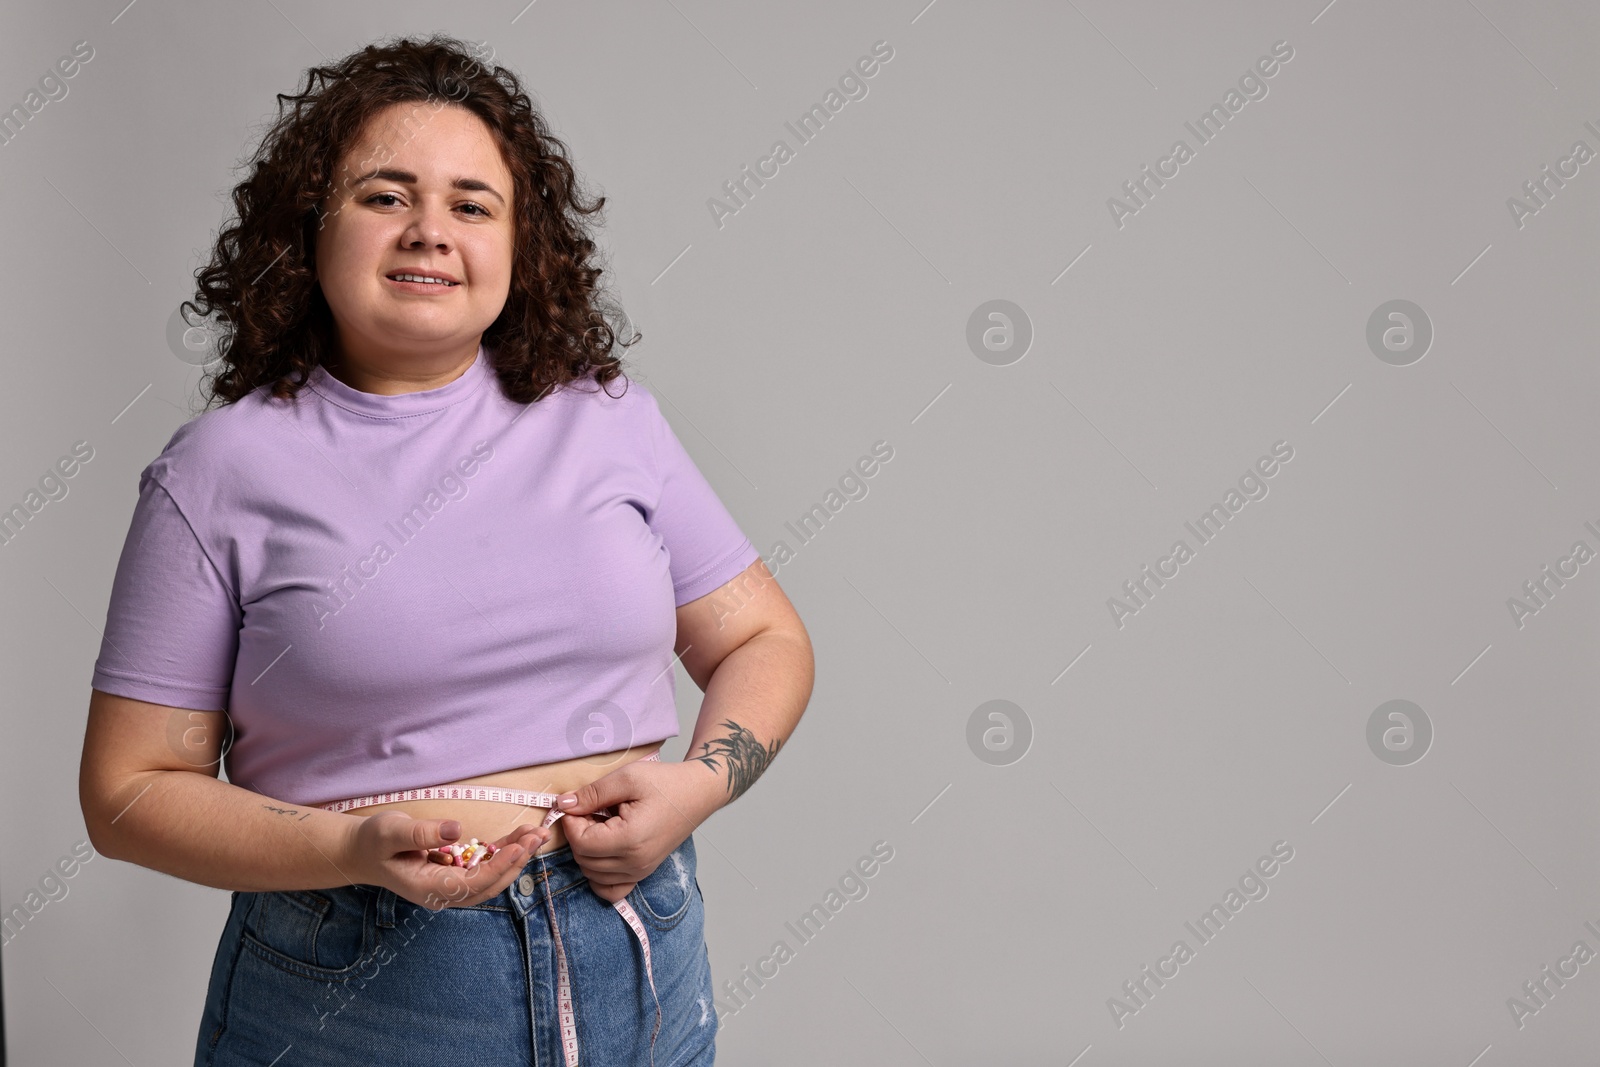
[421,279]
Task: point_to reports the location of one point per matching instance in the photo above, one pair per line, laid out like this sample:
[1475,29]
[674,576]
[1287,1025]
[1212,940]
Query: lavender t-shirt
[389,592]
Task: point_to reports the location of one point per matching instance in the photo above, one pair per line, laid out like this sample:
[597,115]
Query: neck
[391,374]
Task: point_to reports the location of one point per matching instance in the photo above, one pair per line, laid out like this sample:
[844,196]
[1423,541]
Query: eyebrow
[405,177]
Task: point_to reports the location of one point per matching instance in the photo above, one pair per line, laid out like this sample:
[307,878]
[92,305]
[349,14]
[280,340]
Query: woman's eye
[481,210]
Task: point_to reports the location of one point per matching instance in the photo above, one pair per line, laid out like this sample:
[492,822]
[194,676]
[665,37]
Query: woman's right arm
[150,792]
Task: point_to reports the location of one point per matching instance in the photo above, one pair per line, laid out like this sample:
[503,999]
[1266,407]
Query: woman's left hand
[657,806]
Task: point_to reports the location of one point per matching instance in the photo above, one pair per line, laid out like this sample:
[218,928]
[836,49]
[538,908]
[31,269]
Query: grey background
[831,312]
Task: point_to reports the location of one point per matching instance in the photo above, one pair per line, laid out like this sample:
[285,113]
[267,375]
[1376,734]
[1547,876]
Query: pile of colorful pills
[467,855]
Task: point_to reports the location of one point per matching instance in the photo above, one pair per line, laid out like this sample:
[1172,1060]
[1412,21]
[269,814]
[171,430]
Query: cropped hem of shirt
[393,591]
[486,767]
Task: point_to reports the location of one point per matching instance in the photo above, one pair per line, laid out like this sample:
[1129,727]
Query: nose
[426,228]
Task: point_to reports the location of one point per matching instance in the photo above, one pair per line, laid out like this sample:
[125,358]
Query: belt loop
[385,907]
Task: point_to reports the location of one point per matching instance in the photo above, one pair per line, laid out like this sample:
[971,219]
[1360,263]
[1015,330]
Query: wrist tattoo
[744,756]
[288,811]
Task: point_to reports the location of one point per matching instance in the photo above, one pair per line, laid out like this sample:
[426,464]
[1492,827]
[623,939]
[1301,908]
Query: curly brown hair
[269,318]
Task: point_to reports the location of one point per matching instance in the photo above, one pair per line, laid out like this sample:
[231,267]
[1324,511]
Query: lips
[440,278]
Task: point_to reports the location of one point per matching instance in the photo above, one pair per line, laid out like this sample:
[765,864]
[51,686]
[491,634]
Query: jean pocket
[664,896]
[324,934]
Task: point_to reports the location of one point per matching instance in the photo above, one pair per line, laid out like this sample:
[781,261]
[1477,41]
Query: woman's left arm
[746,648]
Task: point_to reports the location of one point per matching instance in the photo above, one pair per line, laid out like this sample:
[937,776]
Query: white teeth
[420,278]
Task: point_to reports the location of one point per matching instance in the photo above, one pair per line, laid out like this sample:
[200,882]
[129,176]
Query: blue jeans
[357,975]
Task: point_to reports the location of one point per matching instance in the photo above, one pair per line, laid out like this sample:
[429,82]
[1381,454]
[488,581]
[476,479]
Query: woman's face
[421,191]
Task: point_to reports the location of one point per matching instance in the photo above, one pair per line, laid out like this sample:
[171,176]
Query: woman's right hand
[390,849]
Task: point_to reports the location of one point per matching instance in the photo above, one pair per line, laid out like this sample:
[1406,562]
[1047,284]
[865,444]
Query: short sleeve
[705,547]
[172,626]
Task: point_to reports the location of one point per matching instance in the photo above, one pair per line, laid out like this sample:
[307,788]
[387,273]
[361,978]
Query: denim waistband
[536,886]
[558,866]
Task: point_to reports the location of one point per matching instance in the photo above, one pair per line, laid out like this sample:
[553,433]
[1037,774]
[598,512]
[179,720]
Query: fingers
[540,835]
[612,893]
[461,887]
[448,832]
[595,836]
[617,787]
[432,833]
[458,887]
[393,835]
[424,833]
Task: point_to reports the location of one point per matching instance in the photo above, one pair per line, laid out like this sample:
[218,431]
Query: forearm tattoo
[744,756]
[288,811]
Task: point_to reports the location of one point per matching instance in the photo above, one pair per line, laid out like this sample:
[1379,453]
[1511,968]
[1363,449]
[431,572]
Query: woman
[420,545]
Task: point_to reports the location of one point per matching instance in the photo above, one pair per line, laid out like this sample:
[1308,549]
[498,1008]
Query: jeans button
[525,885]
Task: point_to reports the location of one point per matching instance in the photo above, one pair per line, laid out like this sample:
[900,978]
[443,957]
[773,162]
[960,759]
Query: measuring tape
[564,1006]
